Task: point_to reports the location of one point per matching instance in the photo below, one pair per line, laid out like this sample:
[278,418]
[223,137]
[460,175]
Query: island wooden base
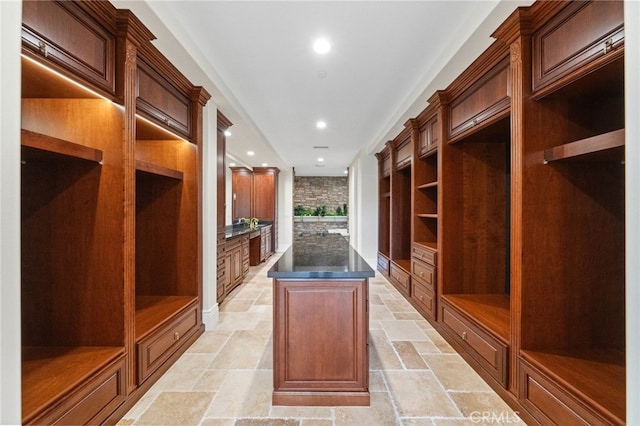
[320,350]
[325,399]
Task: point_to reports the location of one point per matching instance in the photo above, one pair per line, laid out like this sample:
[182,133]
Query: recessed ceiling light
[264,164]
[321,46]
[250,153]
[346,171]
[227,133]
[232,164]
[321,124]
[321,159]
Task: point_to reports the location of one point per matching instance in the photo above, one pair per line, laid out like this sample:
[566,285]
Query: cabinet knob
[421,274]
[608,46]
[43,48]
[176,336]
[464,335]
[421,298]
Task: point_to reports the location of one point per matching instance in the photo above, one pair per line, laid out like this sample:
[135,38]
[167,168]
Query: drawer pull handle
[464,335]
[43,48]
[608,46]
[421,298]
[176,336]
[421,274]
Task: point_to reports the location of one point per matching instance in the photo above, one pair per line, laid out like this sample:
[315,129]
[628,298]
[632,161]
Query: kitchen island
[320,323]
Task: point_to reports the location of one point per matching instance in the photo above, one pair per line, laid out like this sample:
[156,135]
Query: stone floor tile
[403,330]
[236,305]
[454,373]
[409,356]
[176,408]
[217,422]
[210,341]
[244,393]
[267,422]
[184,373]
[417,393]
[381,353]
[301,412]
[211,380]
[243,350]
[477,404]
[380,412]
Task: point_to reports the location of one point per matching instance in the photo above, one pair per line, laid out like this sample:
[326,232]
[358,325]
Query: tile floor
[225,377]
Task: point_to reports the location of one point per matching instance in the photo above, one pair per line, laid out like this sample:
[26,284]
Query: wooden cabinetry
[569,168]
[474,274]
[384,210]
[482,103]
[265,200]
[222,268]
[50,33]
[111,251]
[255,194]
[324,358]
[583,37]
[242,193]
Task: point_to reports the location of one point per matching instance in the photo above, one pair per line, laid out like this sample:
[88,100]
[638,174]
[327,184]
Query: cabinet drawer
[424,272]
[93,402]
[404,154]
[63,34]
[423,296]
[400,278]
[485,100]
[383,265]
[490,353]
[154,349]
[424,254]
[549,403]
[583,36]
[161,102]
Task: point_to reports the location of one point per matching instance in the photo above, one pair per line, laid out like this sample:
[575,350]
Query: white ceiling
[383,55]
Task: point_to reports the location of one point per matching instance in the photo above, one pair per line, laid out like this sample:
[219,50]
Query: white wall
[10,404]
[632,147]
[209,210]
[285,209]
[363,206]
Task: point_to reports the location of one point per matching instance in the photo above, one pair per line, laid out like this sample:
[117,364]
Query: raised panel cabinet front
[486,100]
[63,34]
[320,342]
[161,102]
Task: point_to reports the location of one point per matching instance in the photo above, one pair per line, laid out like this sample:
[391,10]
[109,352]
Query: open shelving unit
[72,293]
[578,270]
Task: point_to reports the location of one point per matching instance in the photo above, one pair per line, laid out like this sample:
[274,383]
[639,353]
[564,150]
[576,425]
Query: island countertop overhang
[321,256]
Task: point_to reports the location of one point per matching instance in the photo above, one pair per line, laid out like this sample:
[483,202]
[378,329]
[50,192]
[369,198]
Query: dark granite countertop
[232,231]
[320,256]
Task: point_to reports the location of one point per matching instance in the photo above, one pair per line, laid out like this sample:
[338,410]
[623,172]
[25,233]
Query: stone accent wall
[316,191]
[315,227]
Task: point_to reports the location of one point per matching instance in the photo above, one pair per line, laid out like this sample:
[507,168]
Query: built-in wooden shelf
[152,311]
[491,311]
[403,263]
[432,245]
[49,372]
[155,169]
[428,215]
[605,147]
[598,375]
[44,147]
[428,185]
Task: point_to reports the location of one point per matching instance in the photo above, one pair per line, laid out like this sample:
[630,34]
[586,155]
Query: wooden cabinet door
[242,192]
[584,36]
[486,100]
[321,352]
[64,35]
[404,153]
[264,194]
[429,136]
[161,102]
